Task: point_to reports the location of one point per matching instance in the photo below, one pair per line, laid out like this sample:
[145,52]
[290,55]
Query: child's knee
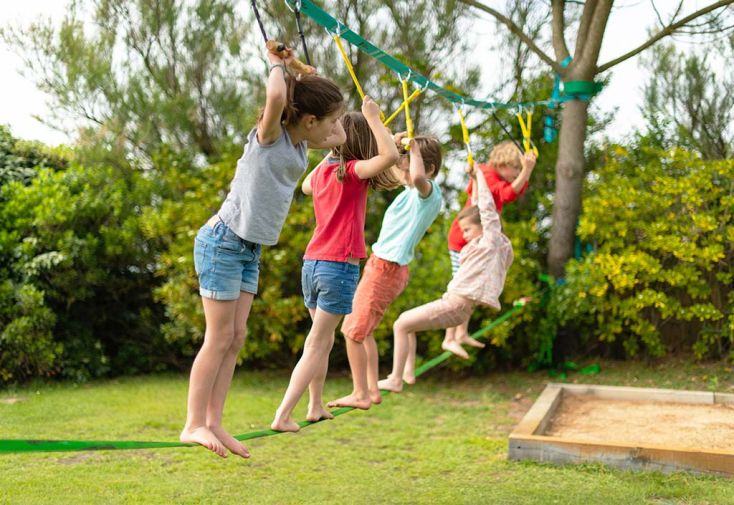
[319,342]
[221,342]
[238,340]
[401,323]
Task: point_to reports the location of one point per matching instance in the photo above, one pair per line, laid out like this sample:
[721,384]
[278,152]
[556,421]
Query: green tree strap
[582,88]
[333,26]
[8,446]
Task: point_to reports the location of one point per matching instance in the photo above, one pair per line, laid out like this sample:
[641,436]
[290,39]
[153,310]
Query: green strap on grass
[8,446]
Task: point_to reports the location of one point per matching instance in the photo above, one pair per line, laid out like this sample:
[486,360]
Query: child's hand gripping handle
[294,65]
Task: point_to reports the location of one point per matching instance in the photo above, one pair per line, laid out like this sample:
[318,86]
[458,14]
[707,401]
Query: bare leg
[454,347]
[224,378]
[409,322]
[315,350]
[409,372]
[218,338]
[462,336]
[449,335]
[360,397]
[373,368]
[316,410]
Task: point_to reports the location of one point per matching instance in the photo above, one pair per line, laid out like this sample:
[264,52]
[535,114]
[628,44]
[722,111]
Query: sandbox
[631,428]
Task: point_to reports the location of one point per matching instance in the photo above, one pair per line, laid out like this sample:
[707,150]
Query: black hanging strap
[259,21]
[297,11]
[494,114]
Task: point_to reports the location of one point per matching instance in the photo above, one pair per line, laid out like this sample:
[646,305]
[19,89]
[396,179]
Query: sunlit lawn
[442,441]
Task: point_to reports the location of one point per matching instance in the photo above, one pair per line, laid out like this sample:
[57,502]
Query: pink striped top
[485,260]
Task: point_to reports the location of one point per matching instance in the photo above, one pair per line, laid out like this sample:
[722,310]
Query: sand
[680,425]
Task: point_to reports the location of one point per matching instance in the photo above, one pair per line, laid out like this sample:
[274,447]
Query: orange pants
[381,283]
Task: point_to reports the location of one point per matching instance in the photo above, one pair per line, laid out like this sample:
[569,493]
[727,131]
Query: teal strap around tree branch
[11,446]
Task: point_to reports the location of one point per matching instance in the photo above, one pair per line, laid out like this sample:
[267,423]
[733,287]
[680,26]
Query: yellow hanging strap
[338,41]
[465,134]
[408,120]
[412,97]
[527,129]
[350,68]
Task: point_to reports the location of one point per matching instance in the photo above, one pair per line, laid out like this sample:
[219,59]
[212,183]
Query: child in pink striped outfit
[483,265]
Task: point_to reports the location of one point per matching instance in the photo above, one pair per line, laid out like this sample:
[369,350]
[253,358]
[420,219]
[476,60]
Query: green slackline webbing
[578,90]
[8,446]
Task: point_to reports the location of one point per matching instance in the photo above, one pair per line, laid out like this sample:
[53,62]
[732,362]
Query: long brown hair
[361,145]
[309,94]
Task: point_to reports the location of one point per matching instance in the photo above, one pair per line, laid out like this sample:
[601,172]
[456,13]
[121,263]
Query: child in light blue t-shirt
[385,274]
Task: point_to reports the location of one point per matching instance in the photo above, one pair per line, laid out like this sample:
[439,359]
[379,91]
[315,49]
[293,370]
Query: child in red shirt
[331,267]
[507,173]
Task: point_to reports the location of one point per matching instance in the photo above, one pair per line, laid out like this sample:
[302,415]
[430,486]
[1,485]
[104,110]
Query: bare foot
[352,400]
[203,436]
[408,377]
[471,341]
[231,443]
[317,413]
[454,347]
[389,384]
[375,397]
[281,423]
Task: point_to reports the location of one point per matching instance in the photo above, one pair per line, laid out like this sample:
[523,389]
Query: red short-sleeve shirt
[340,209]
[501,190]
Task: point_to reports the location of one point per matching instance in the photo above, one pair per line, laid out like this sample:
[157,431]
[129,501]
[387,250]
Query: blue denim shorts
[225,263]
[329,285]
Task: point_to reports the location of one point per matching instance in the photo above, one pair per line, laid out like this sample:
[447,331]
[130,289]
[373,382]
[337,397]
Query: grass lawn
[443,440]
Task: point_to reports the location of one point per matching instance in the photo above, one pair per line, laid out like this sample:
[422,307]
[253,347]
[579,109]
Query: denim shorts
[329,285]
[226,264]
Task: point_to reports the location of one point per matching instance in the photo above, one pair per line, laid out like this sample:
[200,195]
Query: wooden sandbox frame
[527,441]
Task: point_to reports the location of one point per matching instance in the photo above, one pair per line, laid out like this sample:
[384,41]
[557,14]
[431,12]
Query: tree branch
[590,51]
[517,31]
[559,27]
[670,29]
[586,17]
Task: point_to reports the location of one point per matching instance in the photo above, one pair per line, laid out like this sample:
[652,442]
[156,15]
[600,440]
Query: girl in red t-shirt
[507,173]
[331,262]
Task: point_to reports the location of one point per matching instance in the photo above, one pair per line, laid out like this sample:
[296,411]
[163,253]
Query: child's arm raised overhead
[527,161]
[484,200]
[269,128]
[418,171]
[387,152]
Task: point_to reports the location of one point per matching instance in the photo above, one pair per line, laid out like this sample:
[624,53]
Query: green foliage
[19,159]
[26,339]
[77,266]
[660,279]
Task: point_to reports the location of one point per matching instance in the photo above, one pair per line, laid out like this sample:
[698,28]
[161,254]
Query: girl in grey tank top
[299,113]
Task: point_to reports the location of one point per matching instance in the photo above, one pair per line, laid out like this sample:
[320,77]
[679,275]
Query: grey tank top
[262,189]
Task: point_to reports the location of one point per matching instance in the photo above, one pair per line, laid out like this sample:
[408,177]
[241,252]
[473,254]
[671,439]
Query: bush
[21,159]
[78,266]
[26,340]
[660,278]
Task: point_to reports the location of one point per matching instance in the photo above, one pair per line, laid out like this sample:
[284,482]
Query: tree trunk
[569,183]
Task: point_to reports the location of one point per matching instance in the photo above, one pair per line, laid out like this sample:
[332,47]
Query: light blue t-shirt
[406,221]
